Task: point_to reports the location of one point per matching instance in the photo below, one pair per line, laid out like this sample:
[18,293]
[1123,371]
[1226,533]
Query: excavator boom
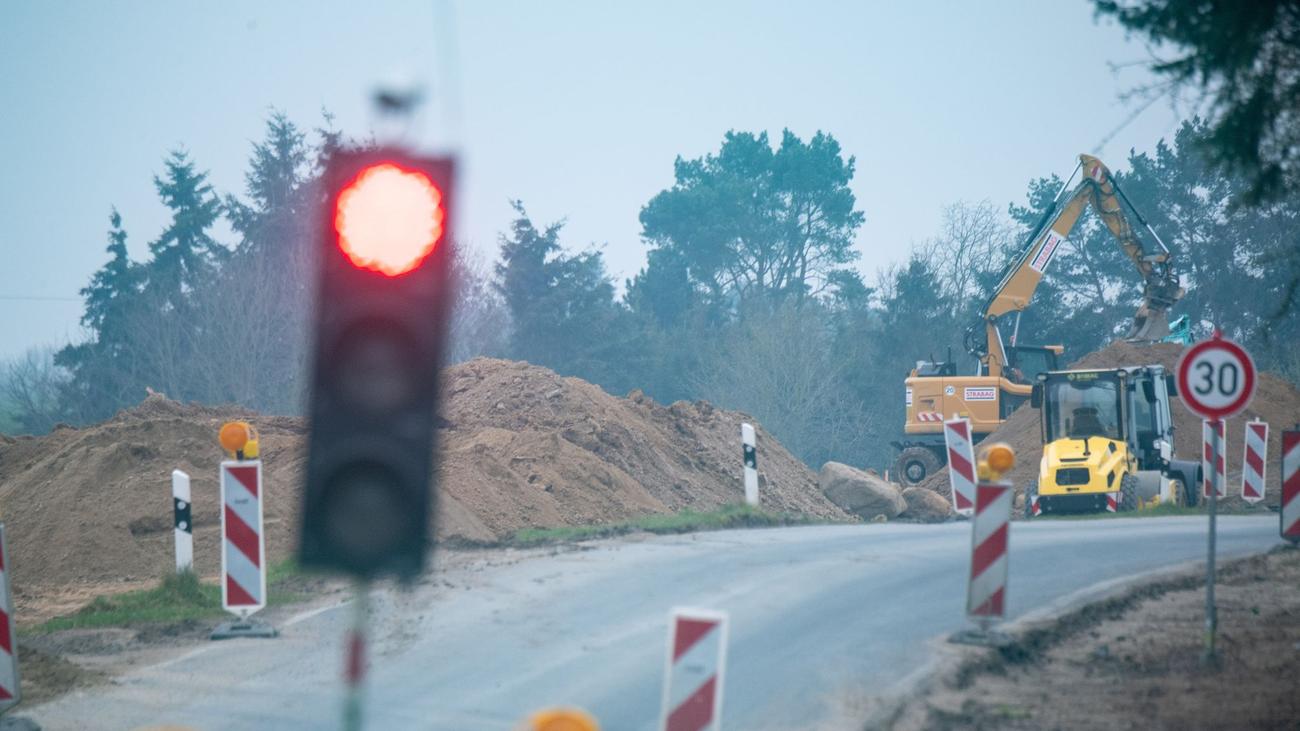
[1160,290]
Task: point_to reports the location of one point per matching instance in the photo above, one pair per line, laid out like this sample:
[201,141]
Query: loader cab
[1080,405]
[1129,405]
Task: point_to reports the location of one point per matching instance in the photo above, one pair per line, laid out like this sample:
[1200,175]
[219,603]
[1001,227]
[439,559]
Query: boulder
[854,491]
[925,505]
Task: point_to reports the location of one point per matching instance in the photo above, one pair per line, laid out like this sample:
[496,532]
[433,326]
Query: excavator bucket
[1149,325]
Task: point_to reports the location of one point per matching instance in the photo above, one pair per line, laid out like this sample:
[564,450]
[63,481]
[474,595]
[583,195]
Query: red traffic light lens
[389,219]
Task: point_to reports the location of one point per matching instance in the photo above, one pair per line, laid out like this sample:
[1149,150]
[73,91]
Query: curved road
[819,614]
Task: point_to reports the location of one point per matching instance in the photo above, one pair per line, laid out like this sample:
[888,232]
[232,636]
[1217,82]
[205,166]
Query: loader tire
[1128,494]
[914,464]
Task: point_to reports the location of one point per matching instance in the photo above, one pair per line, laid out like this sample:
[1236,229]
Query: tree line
[750,296]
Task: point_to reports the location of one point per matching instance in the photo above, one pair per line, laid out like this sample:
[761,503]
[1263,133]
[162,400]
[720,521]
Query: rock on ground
[864,494]
[925,505]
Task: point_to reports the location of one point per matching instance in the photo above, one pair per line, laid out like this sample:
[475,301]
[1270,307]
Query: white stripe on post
[1255,461]
[182,521]
[749,447]
[694,670]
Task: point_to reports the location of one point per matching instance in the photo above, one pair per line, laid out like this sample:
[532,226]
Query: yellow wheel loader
[1005,369]
[1108,443]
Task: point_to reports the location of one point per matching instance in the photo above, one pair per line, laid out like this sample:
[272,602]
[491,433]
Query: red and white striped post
[987,588]
[10,692]
[961,464]
[693,674]
[1255,464]
[1290,511]
[243,548]
[354,660]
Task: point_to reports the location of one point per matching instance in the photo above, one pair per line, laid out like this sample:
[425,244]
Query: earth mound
[521,447]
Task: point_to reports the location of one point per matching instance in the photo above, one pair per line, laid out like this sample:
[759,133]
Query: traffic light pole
[354,663]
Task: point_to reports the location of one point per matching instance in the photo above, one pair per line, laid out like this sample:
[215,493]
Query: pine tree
[185,254]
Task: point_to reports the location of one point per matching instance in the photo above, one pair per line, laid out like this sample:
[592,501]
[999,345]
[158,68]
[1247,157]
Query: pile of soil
[1276,402]
[521,447]
[1134,662]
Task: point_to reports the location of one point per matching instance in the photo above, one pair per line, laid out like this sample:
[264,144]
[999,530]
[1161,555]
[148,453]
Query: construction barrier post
[10,686]
[748,445]
[1255,465]
[182,521]
[986,589]
[1214,466]
[1290,507]
[243,549]
[693,672]
[961,464]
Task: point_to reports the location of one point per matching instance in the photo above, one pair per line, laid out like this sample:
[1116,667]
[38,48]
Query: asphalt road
[818,615]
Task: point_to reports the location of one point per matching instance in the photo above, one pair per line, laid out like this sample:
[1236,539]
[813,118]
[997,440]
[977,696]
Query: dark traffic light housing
[384,251]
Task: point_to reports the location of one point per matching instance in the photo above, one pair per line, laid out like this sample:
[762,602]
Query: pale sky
[577,108]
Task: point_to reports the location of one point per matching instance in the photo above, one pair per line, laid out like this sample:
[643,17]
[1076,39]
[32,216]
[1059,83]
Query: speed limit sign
[1216,378]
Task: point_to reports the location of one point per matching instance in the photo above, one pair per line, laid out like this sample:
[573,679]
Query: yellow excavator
[1006,369]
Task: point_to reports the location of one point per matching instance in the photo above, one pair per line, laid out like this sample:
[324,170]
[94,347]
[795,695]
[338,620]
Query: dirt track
[1135,662]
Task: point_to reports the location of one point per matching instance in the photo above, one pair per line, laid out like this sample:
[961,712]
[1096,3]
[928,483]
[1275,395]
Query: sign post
[182,521]
[749,446]
[693,673]
[1216,379]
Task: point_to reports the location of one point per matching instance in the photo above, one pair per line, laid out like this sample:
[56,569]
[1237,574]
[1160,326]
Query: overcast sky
[577,108]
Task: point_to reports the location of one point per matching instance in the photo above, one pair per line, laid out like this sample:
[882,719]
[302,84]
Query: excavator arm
[1160,291]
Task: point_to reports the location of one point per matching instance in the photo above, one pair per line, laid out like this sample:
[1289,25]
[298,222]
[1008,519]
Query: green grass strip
[177,598]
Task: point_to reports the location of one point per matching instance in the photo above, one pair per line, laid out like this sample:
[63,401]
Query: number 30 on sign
[1216,378]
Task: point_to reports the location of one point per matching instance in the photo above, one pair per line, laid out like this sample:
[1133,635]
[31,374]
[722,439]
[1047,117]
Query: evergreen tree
[561,306]
[185,255]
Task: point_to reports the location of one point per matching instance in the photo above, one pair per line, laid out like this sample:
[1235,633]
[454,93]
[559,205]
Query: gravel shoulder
[1133,661]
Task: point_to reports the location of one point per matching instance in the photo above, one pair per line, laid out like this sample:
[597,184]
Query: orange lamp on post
[239,439]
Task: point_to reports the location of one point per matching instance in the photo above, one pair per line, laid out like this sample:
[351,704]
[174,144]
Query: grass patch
[687,521]
[177,598]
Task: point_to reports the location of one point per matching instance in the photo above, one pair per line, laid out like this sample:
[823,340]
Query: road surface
[818,613]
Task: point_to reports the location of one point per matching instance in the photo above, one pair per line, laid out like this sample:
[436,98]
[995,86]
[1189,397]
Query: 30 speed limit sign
[1216,378]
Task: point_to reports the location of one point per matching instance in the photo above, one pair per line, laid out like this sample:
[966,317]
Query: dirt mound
[1276,402]
[523,447]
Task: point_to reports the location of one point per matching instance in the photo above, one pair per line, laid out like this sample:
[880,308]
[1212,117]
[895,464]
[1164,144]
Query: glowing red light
[389,219]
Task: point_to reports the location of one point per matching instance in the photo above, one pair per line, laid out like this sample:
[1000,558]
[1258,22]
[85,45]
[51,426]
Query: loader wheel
[915,464]
[1128,494]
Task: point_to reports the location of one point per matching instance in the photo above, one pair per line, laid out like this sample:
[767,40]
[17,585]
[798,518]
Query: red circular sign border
[1231,409]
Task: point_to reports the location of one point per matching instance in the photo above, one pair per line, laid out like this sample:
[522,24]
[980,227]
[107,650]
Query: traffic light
[384,254]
